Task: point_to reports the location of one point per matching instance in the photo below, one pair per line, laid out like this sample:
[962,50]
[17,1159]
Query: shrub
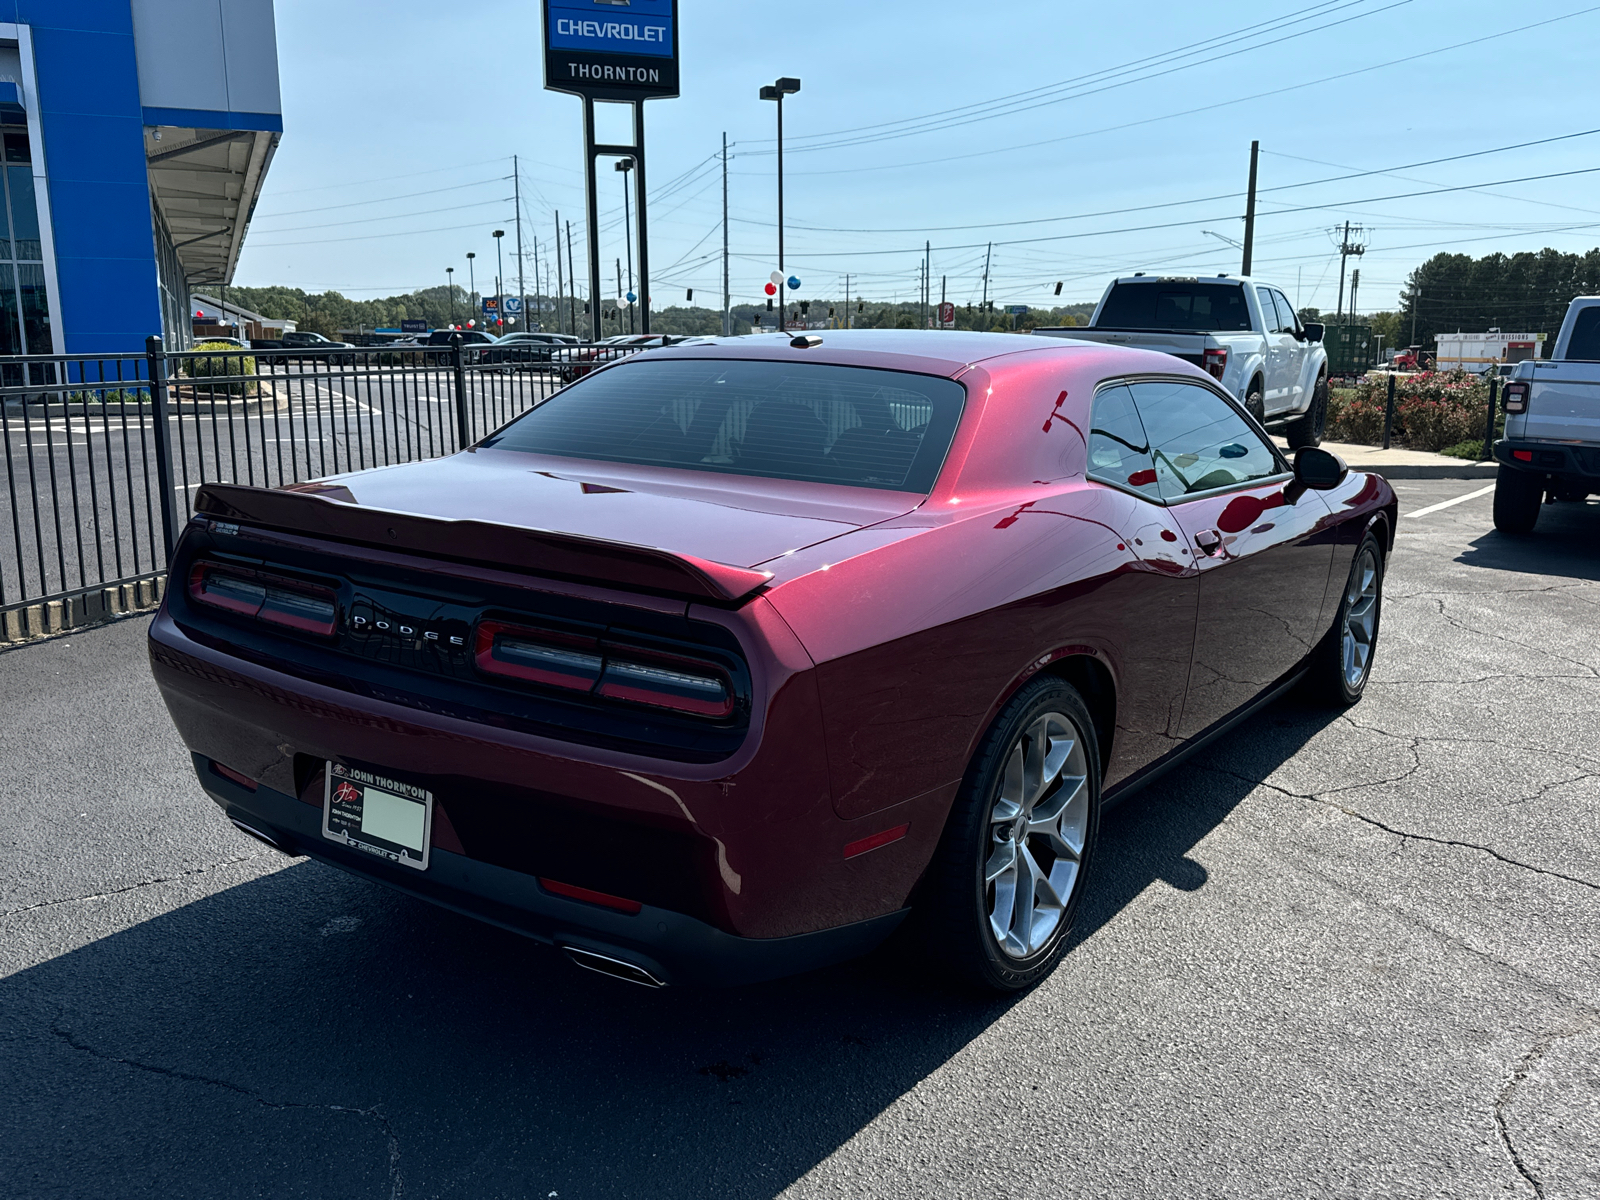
[1432,410]
[1354,417]
[229,363]
[111,395]
[1473,450]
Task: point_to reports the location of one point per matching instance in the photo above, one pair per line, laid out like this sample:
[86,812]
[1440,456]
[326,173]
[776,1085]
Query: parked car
[214,340]
[472,342]
[726,660]
[1241,331]
[528,347]
[313,345]
[574,362]
[1551,447]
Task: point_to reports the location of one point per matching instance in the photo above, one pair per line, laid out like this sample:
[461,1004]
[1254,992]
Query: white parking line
[1433,508]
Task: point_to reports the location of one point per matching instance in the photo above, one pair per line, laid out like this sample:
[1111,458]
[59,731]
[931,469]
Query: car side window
[1198,440]
[1119,451]
[1287,321]
[1269,311]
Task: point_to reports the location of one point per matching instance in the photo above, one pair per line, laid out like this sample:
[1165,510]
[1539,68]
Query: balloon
[776,277]
[771,289]
[794,283]
[631,297]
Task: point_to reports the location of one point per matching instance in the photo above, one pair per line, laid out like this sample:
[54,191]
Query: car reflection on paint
[730,659]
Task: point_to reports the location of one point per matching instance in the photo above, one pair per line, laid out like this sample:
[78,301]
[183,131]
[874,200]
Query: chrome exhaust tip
[617,968]
[264,837]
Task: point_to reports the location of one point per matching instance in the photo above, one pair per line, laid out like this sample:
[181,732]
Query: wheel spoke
[1002,859]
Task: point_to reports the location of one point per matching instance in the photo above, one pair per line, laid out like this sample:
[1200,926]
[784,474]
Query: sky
[1083,141]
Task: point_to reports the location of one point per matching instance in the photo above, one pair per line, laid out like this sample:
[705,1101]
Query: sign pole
[638,198]
[592,212]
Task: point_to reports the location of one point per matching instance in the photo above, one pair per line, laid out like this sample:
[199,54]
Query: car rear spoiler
[324,510]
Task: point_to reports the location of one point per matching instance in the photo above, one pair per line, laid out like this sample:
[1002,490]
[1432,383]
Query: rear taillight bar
[289,603]
[1215,361]
[605,668]
[1516,396]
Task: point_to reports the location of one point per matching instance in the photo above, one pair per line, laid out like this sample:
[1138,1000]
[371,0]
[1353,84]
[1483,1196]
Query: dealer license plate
[381,816]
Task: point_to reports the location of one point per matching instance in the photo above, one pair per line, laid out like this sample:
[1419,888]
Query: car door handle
[1209,541]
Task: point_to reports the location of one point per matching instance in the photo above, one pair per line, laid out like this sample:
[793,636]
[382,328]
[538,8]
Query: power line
[1188,112]
[380,200]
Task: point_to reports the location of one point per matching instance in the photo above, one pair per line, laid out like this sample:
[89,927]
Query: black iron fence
[104,453]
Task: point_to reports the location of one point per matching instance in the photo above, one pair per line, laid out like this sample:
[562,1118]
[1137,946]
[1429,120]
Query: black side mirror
[1315,470]
[1315,331]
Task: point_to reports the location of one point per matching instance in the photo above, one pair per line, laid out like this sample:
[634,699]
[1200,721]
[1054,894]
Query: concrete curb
[55,617]
[1465,470]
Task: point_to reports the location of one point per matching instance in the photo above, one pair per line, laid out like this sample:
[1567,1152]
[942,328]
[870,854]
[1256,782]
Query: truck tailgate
[1188,346]
[1564,405]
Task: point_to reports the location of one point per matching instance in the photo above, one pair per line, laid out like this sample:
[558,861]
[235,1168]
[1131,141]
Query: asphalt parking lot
[1334,955]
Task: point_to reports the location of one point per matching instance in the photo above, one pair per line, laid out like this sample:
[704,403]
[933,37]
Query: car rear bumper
[667,947]
[1575,463]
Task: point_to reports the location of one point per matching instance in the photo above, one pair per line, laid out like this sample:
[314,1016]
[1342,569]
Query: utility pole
[560,282]
[1355,285]
[944,283]
[625,165]
[572,274]
[619,294]
[537,310]
[522,283]
[986,256]
[1250,211]
[727,297]
[927,278]
[1346,249]
[1416,298]
[847,300]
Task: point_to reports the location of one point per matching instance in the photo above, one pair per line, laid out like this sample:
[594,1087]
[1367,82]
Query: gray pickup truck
[1551,447]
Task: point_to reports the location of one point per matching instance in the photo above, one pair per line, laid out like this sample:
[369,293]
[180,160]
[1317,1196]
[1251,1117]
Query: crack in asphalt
[396,1180]
[132,887]
[1457,623]
[1420,738]
[1404,833]
[1523,1069]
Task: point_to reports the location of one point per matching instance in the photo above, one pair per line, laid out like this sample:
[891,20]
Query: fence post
[157,362]
[463,430]
[1488,426]
[1388,413]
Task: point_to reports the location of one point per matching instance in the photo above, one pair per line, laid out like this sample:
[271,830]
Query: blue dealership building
[137,135]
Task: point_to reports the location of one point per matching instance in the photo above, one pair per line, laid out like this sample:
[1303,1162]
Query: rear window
[1175,304]
[1584,344]
[803,421]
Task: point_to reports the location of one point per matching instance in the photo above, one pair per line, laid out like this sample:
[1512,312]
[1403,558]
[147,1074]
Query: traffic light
[690,297]
[769,303]
[805,308]
[1058,287]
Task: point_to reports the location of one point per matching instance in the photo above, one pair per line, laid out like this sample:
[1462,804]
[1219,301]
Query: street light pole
[499,275]
[472,280]
[781,88]
[450,291]
[624,165]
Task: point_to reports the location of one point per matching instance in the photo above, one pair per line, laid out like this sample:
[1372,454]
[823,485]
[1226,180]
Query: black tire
[1307,429]
[954,908]
[1254,404]
[1339,671]
[1517,498]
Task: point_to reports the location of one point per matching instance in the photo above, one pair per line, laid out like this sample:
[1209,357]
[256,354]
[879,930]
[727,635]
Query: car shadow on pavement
[308,1033]
[1564,544]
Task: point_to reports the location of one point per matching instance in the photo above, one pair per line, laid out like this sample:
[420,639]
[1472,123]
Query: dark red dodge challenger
[727,659]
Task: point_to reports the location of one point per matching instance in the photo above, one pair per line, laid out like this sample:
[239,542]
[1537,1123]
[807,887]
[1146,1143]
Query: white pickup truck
[1551,446]
[1242,331]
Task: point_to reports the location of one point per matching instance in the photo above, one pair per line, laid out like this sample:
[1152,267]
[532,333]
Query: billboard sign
[947,313]
[413,325]
[491,306]
[611,49]
[513,306]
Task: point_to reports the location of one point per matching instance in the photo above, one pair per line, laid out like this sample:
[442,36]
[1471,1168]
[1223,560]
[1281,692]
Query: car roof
[929,351]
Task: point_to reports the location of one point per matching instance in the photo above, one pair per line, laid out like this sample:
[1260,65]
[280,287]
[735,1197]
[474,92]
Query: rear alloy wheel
[1307,429]
[1342,664]
[1517,497]
[1005,884]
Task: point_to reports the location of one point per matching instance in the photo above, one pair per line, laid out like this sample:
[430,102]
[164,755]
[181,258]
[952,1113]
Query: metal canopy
[206,183]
